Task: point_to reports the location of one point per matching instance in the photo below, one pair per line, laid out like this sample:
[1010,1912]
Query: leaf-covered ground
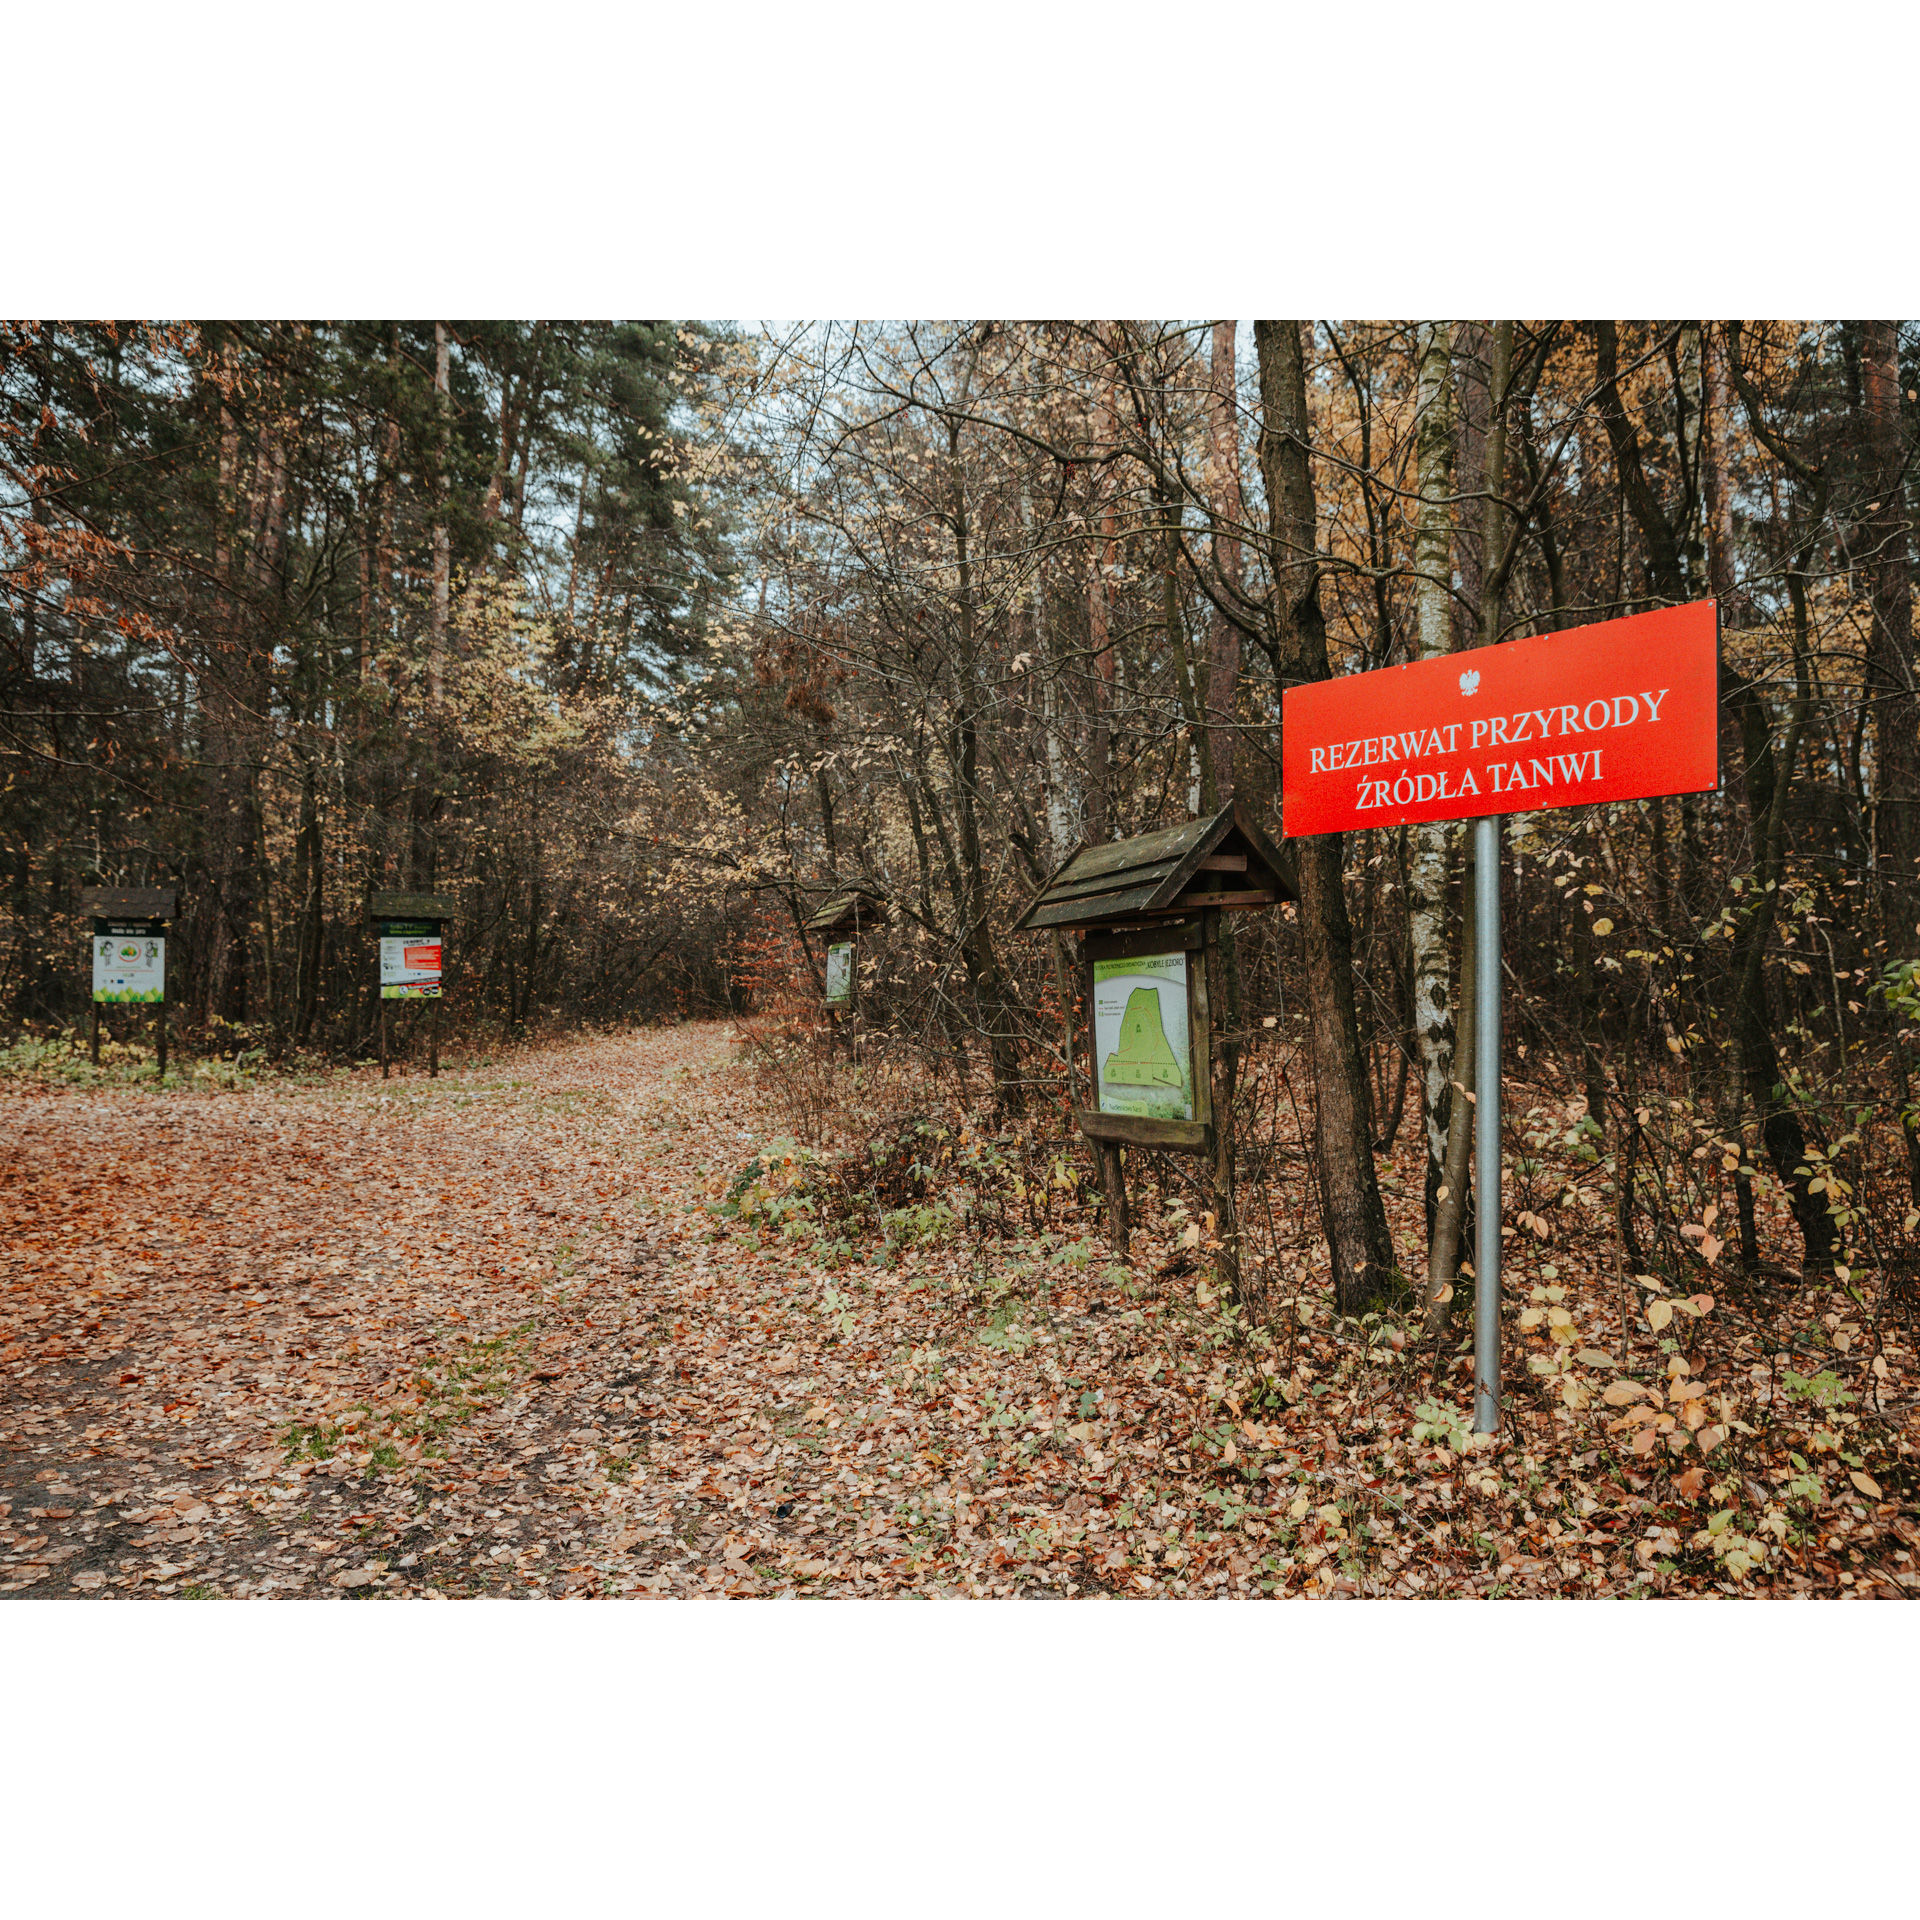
[581,1321]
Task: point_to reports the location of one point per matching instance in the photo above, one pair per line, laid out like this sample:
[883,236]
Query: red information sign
[1621,710]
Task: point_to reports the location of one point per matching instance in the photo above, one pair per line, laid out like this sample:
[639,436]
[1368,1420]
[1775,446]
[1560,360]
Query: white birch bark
[1428,842]
[1063,806]
[442,546]
[1102,680]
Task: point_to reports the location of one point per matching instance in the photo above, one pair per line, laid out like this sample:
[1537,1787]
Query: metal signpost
[1620,710]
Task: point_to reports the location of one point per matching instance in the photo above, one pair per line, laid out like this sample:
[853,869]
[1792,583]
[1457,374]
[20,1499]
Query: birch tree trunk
[1429,842]
[1896,814]
[1062,801]
[1189,662]
[1496,544]
[1471,348]
[1099,808]
[1497,547]
[442,546]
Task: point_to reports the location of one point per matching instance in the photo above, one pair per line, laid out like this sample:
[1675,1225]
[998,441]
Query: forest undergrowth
[716,1310]
[1705,1432]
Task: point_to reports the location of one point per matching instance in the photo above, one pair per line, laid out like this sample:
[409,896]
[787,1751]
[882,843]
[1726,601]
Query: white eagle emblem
[1470,680]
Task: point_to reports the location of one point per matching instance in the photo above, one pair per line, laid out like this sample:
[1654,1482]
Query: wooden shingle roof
[128,903]
[847,912]
[1224,861]
[411,906]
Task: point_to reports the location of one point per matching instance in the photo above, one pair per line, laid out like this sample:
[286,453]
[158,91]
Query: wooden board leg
[1114,1179]
[433,1044]
[1226,1216]
[1226,1211]
[385,1069]
[160,1016]
[93,1035]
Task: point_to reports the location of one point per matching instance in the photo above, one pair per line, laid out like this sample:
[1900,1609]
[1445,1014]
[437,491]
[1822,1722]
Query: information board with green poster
[129,962]
[840,973]
[1142,1036]
[410,959]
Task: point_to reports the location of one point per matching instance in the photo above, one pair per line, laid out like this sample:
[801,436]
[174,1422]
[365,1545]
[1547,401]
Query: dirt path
[485,1335]
[352,1336]
[581,1323]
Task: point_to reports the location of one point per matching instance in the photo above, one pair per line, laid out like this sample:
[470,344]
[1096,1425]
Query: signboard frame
[111,928]
[1146,895]
[849,972]
[423,930]
[1188,939]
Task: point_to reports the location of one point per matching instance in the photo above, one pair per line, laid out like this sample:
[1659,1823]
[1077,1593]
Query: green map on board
[1143,1058]
[1140,1036]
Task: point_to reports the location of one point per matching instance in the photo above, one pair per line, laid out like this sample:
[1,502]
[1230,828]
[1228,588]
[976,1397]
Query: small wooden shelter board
[845,913]
[399,915]
[144,911]
[1157,895]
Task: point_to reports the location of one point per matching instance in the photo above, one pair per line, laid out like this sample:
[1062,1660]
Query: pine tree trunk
[1229,511]
[1359,1245]
[993,998]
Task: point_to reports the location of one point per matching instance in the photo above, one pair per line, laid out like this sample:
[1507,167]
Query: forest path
[503,1333]
[357,1335]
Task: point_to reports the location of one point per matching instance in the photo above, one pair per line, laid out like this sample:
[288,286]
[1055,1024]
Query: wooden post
[1113,1178]
[433,1044]
[1226,1216]
[385,1068]
[93,1033]
[160,1018]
